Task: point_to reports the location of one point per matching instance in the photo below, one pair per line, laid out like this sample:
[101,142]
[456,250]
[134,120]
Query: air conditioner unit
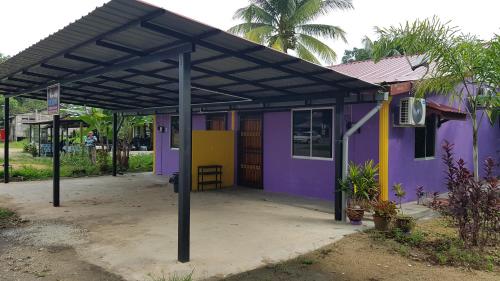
[411,112]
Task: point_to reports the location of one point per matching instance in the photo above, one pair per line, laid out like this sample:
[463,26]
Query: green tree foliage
[459,65]
[287,25]
[366,52]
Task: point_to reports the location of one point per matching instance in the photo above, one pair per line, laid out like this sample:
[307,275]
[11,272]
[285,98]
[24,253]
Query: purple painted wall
[311,177]
[284,174]
[363,145]
[167,158]
[315,178]
[403,168]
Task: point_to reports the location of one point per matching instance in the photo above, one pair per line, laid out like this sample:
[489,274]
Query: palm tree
[286,25]
[458,65]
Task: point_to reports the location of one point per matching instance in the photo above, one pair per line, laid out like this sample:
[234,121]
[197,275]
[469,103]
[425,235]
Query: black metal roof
[225,68]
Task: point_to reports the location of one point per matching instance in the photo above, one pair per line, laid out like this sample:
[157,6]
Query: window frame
[435,127]
[171,133]
[310,157]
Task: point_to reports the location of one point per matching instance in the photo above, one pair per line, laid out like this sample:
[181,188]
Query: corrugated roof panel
[125,30]
[388,70]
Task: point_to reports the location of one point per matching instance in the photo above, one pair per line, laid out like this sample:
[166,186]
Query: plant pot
[405,223]
[355,215]
[381,223]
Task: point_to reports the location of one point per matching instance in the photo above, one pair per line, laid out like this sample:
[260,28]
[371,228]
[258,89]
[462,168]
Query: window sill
[312,158]
[174,148]
[425,158]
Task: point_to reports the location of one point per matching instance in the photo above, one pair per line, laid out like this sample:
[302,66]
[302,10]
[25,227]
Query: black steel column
[339,125]
[39,140]
[115,141]
[6,111]
[56,162]
[184,155]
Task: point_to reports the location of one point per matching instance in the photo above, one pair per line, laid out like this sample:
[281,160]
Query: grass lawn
[27,168]
[372,256]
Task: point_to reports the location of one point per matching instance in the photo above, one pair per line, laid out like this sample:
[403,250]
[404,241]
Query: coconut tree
[458,65]
[287,25]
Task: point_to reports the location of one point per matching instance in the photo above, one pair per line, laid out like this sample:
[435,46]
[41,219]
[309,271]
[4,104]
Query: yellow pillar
[153,134]
[233,120]
[384,150]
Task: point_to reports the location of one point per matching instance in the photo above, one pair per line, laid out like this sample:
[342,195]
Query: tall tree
[460,66]
[286,25]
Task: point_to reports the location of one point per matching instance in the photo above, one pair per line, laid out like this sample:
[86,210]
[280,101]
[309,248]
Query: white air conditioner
[412,112]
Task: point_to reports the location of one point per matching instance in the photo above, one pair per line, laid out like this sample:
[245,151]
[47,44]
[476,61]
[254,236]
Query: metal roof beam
[166,31]
[174,51]
[234,78]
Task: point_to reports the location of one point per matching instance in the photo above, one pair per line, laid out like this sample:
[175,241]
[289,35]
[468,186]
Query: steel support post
[115,141]
[56,163]
[184,155]
[339,134]
[6,111]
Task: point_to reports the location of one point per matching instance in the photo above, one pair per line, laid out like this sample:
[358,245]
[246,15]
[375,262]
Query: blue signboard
[53,93]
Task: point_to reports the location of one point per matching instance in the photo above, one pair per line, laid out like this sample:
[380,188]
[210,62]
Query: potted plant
[383,212]
[355,212]
[403,222]
[361,187]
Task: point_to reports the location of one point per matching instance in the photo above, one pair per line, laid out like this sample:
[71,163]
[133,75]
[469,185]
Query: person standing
[90,144]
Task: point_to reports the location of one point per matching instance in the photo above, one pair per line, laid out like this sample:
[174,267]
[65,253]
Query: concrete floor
[128,224]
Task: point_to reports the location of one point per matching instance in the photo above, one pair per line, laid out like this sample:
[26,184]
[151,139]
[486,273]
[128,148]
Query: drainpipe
[345,143]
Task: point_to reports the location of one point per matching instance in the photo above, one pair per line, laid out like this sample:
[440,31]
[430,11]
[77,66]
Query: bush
[31,149]
[473,205]
[141,163]
[102,160]
[77,165]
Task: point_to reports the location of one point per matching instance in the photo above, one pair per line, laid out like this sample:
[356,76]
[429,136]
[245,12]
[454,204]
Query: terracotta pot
[405,223]
[381,223]
[355,215]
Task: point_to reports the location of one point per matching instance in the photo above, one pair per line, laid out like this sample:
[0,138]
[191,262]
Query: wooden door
[250,151]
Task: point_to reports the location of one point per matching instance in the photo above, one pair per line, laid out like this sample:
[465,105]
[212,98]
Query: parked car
[305,137]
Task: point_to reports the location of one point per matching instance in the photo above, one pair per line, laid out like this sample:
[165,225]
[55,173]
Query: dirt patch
[359,257]
[28,263]
[32,251]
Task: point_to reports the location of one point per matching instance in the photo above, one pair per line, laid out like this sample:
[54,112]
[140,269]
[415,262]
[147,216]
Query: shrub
[385,209]
[474,206]
[420,194]
[102,161]
[77,165]
[141,163]
[31,149]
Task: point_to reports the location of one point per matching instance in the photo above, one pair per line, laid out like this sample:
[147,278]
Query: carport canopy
[130,56]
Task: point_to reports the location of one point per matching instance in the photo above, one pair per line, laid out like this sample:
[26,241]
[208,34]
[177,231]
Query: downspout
[345,144]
